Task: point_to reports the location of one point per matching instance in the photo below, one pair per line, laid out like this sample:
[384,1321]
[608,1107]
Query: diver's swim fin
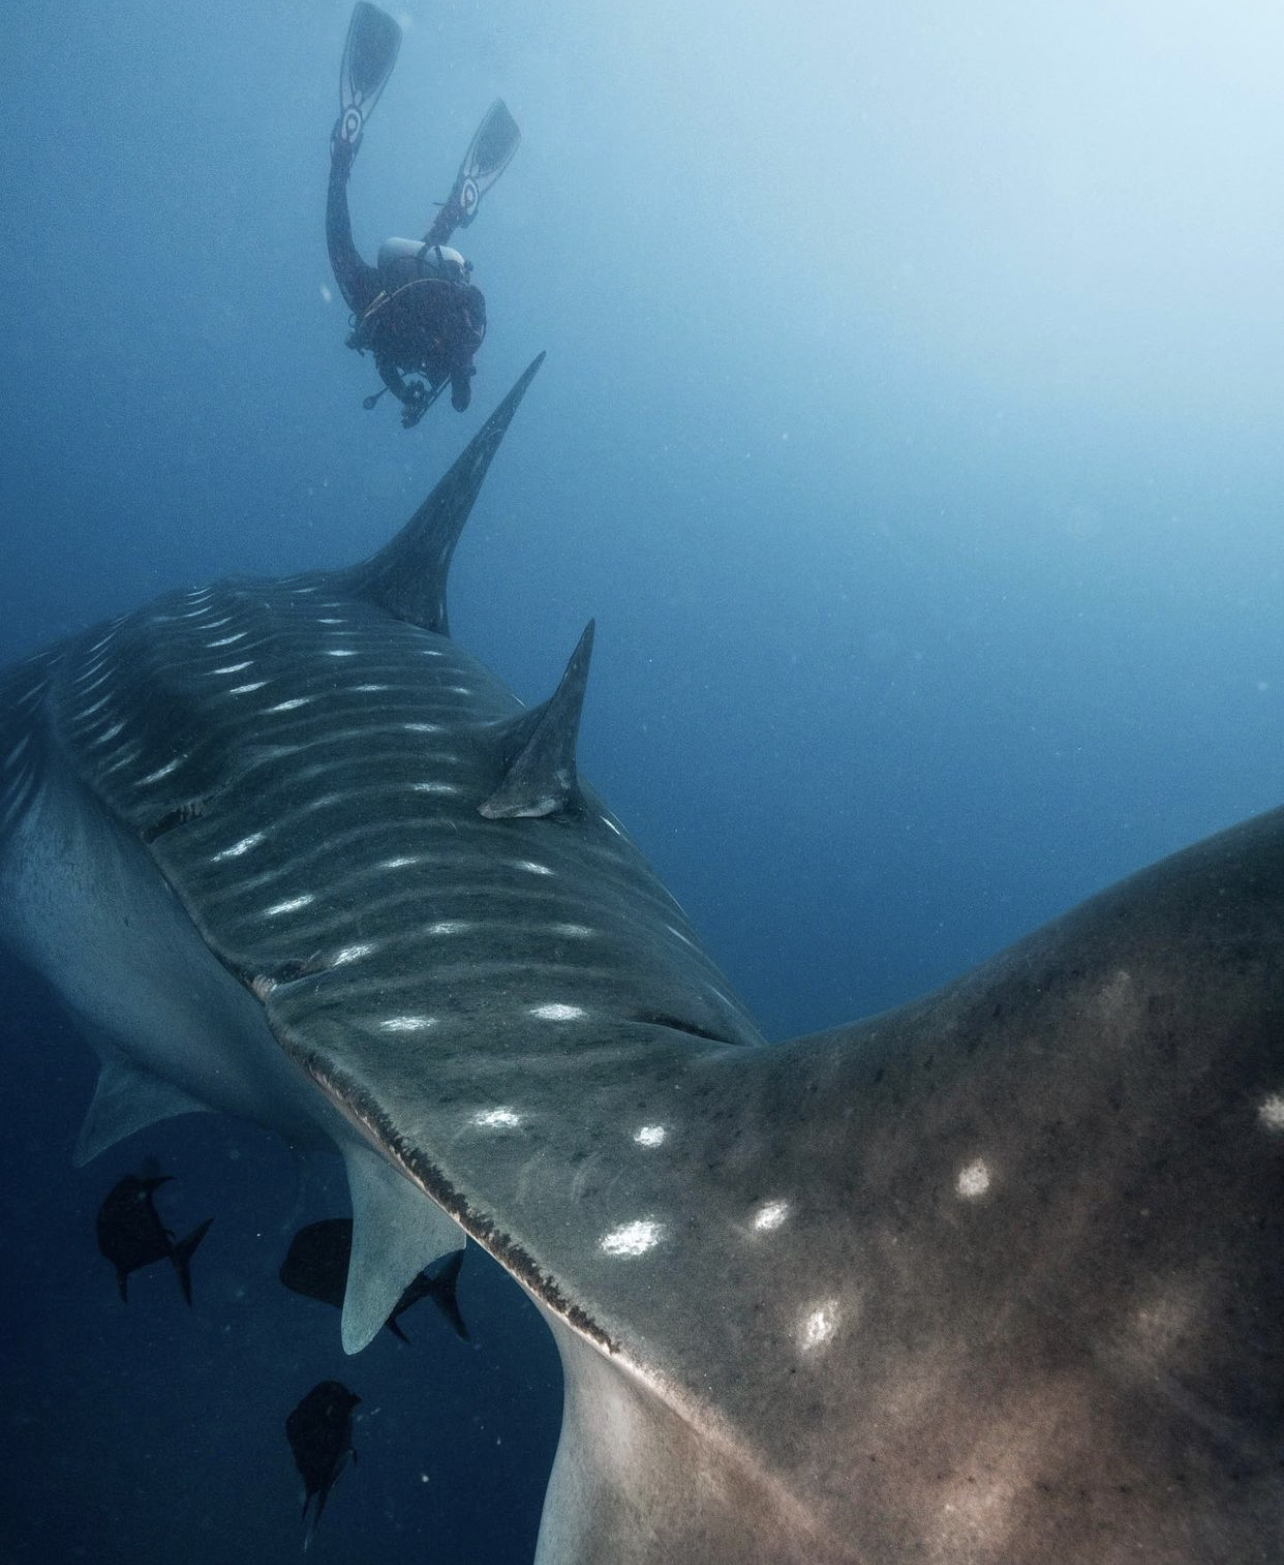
[489,154]
[368,58]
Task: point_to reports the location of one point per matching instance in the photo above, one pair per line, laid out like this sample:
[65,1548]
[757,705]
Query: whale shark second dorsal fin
[407,577]
[540,776]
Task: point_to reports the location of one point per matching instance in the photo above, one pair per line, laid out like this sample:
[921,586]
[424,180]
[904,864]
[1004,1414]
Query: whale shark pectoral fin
[127,1099]
[396,1231]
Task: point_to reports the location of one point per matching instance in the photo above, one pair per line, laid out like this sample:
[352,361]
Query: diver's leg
[448,219]
[461,388]
[358,283]
[487,157]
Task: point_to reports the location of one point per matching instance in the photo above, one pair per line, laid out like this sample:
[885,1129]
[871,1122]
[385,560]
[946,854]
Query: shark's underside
[992,1280]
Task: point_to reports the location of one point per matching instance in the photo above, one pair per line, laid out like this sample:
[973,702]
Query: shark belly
[84,906]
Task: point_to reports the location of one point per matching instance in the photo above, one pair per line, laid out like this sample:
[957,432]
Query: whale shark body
[993,1279]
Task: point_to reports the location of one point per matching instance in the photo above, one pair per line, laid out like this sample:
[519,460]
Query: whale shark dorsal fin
[407,577]
[540,776]
[396,1232]
[127,1099]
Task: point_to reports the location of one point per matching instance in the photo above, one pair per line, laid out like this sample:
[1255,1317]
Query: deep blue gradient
[911,425]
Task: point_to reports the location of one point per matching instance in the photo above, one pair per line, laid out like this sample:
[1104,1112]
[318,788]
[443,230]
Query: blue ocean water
[911,427]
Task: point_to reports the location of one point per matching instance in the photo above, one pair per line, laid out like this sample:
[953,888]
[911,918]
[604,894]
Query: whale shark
[995,1278]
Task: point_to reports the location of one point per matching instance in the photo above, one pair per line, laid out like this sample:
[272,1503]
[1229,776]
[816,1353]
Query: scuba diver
[416,309]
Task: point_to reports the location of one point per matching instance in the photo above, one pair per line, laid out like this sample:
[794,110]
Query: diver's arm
[470,330]
[410,393]
[393,379]
[358,283]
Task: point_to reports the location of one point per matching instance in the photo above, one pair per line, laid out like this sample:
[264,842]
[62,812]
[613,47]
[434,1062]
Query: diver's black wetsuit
[412,324]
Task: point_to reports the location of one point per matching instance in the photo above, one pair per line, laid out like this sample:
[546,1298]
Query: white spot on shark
[818,1325]
[126,757]
[973,1180]
[532,868]
[1271,1111]
[292,905]
[434,787]
[245,690]
[770,1216]
[238,848]
[497,1119]
[161,771]
[423,728]
[226,641]
[94,683]
[634,1238]
[340,652]
[350,954]
[408,1023]
[556,1012]
[402,863]
[233,668]
[450,926]
[291,705]
[651,1136]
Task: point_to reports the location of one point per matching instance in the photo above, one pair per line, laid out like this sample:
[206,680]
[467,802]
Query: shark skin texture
[993,1279]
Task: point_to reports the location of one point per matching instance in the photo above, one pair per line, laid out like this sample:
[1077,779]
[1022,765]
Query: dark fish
[316,1265]
[131,1234]
[320,1434]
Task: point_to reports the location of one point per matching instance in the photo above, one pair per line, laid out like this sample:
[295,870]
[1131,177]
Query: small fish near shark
[996,1278]
[319,1430]
[132,1235]
[316,1266]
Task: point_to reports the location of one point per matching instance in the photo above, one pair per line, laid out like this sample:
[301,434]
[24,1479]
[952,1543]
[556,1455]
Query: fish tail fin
[321,1496]
[443,1294]
[182,1254]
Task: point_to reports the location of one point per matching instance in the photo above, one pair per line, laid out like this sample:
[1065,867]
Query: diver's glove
[414,404]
